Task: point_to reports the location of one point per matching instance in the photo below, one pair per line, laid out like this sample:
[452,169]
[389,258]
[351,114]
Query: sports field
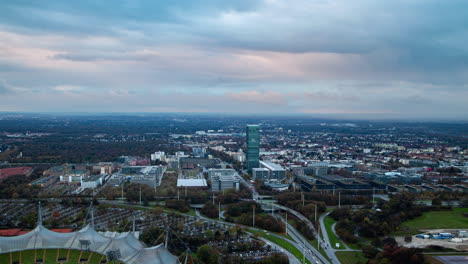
[452,219]
[65,256]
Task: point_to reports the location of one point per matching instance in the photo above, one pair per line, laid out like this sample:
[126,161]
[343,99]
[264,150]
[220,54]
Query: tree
[157,211]
[436,201]
[208,255]
[210,210]
[370,251]
[56,214]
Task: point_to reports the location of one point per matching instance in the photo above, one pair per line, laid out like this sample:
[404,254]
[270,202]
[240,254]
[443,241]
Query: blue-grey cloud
[344,55]
[5,88]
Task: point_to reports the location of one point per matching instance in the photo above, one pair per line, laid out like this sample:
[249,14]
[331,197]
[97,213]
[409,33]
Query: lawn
[27,256]
[351,257]
[5,258]
[436,220]
[282,243]
[328,221]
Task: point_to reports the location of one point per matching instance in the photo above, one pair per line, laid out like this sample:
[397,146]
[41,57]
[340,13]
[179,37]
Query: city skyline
[379,60]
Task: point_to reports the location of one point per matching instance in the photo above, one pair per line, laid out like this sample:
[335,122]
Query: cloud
[269,97]
[4,87]
[69,89]
[259,56]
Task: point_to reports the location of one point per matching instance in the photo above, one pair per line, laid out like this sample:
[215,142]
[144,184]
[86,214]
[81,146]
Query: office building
[275,171]
[260,174]
[222,179]
[253,147]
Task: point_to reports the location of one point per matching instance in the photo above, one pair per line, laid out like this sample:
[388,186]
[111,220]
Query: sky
[403,59]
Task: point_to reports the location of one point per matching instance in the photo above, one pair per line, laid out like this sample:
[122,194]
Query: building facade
[253,146]
[275,171]
[260,174]
[222,179]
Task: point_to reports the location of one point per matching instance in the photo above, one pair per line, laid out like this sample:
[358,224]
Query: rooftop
[14,171]
[271,165]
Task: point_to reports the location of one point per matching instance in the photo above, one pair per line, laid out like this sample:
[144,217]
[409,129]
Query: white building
[276,172]
[159,155]
[92,182]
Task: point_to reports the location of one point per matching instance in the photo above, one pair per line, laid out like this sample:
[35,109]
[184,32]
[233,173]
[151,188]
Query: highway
[294,233]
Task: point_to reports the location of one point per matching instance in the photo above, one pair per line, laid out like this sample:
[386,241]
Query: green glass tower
[253,147]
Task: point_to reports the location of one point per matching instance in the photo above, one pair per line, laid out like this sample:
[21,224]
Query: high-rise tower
[253,147]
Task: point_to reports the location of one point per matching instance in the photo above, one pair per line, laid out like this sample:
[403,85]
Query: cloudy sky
[404,59]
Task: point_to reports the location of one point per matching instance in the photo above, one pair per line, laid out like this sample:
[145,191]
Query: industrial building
[45,181]
[74,176]
[222,179]
[92,182]
[253,147]
[148,175]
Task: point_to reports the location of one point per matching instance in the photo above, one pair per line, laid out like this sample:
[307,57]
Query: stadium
[42,245]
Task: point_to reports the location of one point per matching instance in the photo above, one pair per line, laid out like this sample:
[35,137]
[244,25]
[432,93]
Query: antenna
[39,214]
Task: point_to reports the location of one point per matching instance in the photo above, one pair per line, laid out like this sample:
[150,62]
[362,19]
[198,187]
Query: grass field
[328,221]
[50,256]
[351,257]
[436,220]
[282,243]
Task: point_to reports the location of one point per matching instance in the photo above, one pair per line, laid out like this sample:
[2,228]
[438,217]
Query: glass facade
[253,147]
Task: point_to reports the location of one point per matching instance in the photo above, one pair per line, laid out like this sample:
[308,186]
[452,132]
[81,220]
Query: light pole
[302,194]
[286,222]
[373,195]
[253,218]
[123,182]
[339,199]
[318,237]
[315,216]
[140,192]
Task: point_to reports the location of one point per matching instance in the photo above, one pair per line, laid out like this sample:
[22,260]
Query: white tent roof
[131,249]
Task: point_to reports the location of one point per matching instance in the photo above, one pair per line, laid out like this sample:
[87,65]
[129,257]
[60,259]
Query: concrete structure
[277,186]
[158,155]
[191,183]
[260,174]
[199,152]
[149,175]
[222,179]
[276,172]
[45,181]
[192,178]
[74,176]
[92,182]
[253,147]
